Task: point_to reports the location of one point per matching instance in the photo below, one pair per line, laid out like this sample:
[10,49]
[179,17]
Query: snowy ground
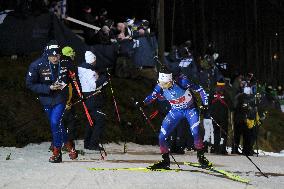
[29,168]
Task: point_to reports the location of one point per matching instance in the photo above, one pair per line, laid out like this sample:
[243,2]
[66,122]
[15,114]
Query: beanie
[90,57]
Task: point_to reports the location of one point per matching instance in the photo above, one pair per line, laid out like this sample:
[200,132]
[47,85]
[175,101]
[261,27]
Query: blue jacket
[41,75]
[179,95]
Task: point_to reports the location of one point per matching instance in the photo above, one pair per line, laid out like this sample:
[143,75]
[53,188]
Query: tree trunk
[256,38]
[203,25]
[173,22]
[161,29]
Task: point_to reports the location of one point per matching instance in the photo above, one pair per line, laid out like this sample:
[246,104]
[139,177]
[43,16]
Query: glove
[205,111]
[68,106]
[136,103]
[55,86]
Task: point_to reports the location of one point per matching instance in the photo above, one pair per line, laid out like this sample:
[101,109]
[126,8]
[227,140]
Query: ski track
[29,168]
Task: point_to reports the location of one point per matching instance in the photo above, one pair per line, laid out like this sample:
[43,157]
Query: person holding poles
[183,105]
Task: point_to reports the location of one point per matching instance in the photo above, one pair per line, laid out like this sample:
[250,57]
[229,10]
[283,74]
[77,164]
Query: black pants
[240,129]
[220,134]
[94,134]
[69,120]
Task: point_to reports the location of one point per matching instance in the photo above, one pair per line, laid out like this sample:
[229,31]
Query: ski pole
[94,94]
[116,108]
[81,96]
[239,147]
[154,114]
[72,75]
[151,125]
[114,101]
[144,115]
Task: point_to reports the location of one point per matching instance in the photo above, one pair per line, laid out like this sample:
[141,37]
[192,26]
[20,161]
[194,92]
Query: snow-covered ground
[29,168]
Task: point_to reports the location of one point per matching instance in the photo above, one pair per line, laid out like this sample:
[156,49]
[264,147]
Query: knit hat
[220,83]
[52,48]
[68,51]
[247,90]
[130,22]
[90,57]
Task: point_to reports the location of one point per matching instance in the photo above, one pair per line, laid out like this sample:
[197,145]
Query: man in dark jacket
[91,79]
[244,122]
[48,77]
[69,118]
[220,105]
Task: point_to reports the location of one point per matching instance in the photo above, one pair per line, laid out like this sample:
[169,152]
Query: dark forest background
[248,35]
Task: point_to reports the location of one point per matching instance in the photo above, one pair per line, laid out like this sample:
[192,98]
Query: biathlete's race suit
[182,105]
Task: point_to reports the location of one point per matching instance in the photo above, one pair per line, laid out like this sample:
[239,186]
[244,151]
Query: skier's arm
[32,81]
[154,95]
[185,83]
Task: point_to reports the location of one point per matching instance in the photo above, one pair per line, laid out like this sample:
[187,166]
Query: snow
[28,167]
[273,154]
[262,153]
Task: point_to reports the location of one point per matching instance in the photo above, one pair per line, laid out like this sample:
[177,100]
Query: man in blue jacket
[48,77]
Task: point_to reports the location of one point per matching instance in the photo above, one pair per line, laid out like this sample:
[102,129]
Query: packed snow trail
[28,167]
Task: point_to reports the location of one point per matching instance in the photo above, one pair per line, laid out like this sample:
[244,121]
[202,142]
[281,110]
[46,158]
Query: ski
[141,169]
[227,174]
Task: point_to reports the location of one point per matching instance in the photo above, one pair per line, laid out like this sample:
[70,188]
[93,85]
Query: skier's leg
[168,125]
[181,135]
[192,116]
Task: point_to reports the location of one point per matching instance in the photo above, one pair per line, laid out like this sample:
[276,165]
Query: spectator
[187,64]
[220,105]
[90,80]
[69,118]
[103,36]
[280,94]
[88,17]
[123,32]
[102,18]
[48,76]
[244,122]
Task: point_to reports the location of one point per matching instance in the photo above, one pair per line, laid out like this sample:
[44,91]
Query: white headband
[163,77]
[52,47]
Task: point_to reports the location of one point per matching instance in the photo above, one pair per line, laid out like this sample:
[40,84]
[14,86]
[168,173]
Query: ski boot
[71,149]
[56,156]
[203,161]
[164,164]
